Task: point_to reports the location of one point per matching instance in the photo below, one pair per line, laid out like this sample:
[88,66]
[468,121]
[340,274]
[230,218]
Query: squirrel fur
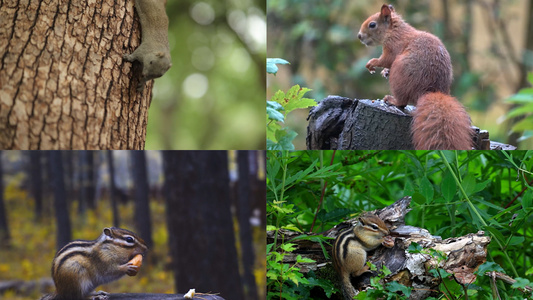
[154,51]
[419,70]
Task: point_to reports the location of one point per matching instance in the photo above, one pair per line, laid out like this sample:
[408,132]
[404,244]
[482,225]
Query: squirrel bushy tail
[441,123]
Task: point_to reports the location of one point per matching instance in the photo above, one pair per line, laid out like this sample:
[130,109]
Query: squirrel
[350,249]
[80,266]
[154,51]
[419,70]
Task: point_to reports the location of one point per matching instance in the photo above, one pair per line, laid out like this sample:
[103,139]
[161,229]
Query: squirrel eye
[375,226]
[372,25]
[129,239]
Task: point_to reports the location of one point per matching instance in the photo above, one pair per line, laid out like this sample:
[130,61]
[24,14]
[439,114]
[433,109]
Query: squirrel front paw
[385,73]
[131,269]
[371,65]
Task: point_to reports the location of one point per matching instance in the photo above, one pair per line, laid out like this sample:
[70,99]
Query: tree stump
[352,124]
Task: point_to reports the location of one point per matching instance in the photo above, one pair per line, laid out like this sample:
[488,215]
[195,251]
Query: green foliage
[454,193]
[272,68]
[283,280]
[213,95]
[523,111]
[278,137]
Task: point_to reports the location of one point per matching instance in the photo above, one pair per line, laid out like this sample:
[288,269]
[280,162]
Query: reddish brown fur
[433,130]
[419,64]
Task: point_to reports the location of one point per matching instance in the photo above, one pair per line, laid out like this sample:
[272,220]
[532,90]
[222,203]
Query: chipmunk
[351,246]
[80,266]
[419,70]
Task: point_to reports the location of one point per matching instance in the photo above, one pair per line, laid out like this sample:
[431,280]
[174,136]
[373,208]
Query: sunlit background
[213,96]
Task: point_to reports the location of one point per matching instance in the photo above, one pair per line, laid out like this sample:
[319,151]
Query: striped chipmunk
[80,266]
[351,246]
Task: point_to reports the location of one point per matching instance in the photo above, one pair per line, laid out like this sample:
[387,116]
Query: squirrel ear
[386,11]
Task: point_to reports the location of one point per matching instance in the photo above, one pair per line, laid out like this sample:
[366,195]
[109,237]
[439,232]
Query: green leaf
[418,198]
[271,64]
[394,287]
[299,259]
[294,99]
[524,124]
[519,111]
[439,273]
[520,98]
[448,186]
[414,248]
[496,234]
[426,189]
[273,111]
[488,266]
[520,283]
[288,247]
[516,240]
[469,184]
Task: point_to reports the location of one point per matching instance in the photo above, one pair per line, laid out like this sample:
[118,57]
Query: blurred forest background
[206,206]
[213,95]
[490,42]
[312,191]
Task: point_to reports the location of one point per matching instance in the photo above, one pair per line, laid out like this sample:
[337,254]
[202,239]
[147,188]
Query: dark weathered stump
[352,124]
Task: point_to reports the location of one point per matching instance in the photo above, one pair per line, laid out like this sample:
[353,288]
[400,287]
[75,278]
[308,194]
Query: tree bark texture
[63,82]
[200,227]
[350,124]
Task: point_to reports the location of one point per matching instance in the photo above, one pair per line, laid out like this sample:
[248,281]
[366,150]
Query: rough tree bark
[63,83]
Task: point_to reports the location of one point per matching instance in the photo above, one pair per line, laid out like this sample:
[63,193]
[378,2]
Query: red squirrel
[419,69]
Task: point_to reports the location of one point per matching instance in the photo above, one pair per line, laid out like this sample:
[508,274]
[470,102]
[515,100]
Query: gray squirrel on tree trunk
[154,51]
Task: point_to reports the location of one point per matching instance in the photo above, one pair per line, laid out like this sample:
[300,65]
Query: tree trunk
[4,229]
[200,226]
[36,177]
[60,203]
[142,207]
[64,84]
[113,189]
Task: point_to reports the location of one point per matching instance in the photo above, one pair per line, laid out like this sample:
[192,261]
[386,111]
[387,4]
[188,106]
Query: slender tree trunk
[4,229]
[113,189]
[63,82]
[142,205]
[242,202]
[36,177]
[201,235]
[60,203]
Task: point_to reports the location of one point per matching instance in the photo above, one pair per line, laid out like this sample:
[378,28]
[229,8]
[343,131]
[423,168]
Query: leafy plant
[523,111]
[279,137]
[454,193]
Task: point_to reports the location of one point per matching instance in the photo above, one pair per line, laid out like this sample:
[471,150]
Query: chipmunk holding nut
[351,246]
[80,266]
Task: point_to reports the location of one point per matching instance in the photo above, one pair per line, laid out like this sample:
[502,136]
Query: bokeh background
[490,42]
[213,95]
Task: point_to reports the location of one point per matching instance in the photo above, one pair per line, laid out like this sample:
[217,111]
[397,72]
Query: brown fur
[420,74]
